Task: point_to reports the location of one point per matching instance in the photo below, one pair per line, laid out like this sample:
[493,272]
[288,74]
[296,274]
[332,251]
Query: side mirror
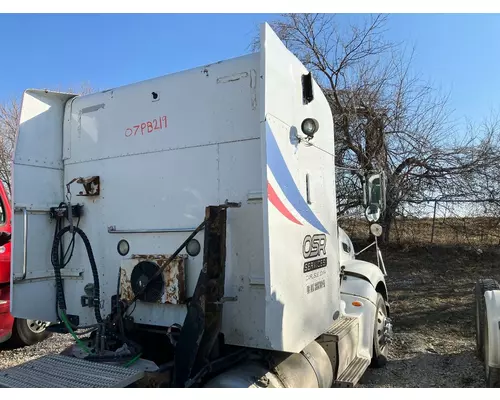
[376,230]
[372,213]
[374,196]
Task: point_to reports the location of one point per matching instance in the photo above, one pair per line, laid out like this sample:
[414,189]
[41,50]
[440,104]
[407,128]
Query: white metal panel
[167,180]
[366,269]
[355,289]
[240,178]
[156,182]
[39,141]
[205,105]
[151,191]
[299,305]
[37,184]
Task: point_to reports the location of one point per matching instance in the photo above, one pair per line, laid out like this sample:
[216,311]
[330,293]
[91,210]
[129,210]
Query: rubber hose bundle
[58,265]
[60,300]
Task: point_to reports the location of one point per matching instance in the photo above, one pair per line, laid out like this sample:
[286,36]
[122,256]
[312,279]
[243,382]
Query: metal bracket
[88,301]
[113,229]
[66,273]
[91,185]
[202,323]
[342,272]
[225,300]
[229,204]
[25,245]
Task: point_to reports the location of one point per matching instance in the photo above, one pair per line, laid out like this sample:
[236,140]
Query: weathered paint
[173,275]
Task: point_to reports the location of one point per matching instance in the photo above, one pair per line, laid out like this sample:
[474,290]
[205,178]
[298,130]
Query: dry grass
[447,231]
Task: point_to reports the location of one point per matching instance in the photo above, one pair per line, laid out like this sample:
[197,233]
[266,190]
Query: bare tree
[385,118]
[10,113]
[479,182]
[9,122]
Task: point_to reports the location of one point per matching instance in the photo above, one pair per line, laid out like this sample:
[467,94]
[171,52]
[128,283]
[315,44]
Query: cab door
[5,226]
[6,319]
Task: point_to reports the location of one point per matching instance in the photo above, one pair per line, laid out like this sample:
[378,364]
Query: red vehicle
[16,332]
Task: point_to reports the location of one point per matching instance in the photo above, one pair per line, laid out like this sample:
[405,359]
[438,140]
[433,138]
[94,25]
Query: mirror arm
[366,248]
[380,260]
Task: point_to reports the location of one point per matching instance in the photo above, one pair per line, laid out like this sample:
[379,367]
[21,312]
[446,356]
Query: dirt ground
[432,307]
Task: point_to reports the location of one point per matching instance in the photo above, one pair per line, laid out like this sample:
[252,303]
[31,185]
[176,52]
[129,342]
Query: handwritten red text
[147,127]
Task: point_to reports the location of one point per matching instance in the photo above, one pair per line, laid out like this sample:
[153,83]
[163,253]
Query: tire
[482,285]
[493,378]
[380,350]
[23,335]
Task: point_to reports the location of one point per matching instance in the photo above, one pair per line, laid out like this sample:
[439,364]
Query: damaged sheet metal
[91,185]
[173,276]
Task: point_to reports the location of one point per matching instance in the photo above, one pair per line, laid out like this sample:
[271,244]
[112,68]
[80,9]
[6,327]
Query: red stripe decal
[275,200]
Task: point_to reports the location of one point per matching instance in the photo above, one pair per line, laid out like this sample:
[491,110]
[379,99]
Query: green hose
[78,341]
[85,348]
[133,360]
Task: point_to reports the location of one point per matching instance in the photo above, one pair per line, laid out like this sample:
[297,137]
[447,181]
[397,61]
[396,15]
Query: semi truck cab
[185,227]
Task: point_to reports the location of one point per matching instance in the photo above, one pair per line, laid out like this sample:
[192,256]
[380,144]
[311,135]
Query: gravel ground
[431,296]
[53,345]
[432,307]
[421,361]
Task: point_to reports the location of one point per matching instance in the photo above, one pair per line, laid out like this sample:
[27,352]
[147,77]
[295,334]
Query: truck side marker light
[193,248]
[123,247]
[357,304]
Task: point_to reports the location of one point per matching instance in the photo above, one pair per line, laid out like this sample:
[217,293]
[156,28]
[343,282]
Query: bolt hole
[155,95]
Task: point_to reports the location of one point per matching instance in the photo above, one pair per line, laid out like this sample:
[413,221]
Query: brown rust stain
[174,278]
[91,185]
[126,292]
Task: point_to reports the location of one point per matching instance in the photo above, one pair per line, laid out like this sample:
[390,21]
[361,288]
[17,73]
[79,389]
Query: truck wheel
[380,344]
[482,285]
[492,374]
[27,332]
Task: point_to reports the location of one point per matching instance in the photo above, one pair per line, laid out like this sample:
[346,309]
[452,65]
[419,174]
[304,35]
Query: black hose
[57,271]
[58,264]
[61,263]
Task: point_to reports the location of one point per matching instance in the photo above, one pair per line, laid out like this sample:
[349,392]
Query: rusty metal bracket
[91,186]
[230,204]
[203,320]
[226,300]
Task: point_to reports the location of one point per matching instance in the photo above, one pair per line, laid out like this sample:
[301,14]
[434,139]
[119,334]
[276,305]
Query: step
[353,373]
[58,371]
[342,326]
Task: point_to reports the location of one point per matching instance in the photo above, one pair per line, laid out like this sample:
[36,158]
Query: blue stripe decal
[285,181]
